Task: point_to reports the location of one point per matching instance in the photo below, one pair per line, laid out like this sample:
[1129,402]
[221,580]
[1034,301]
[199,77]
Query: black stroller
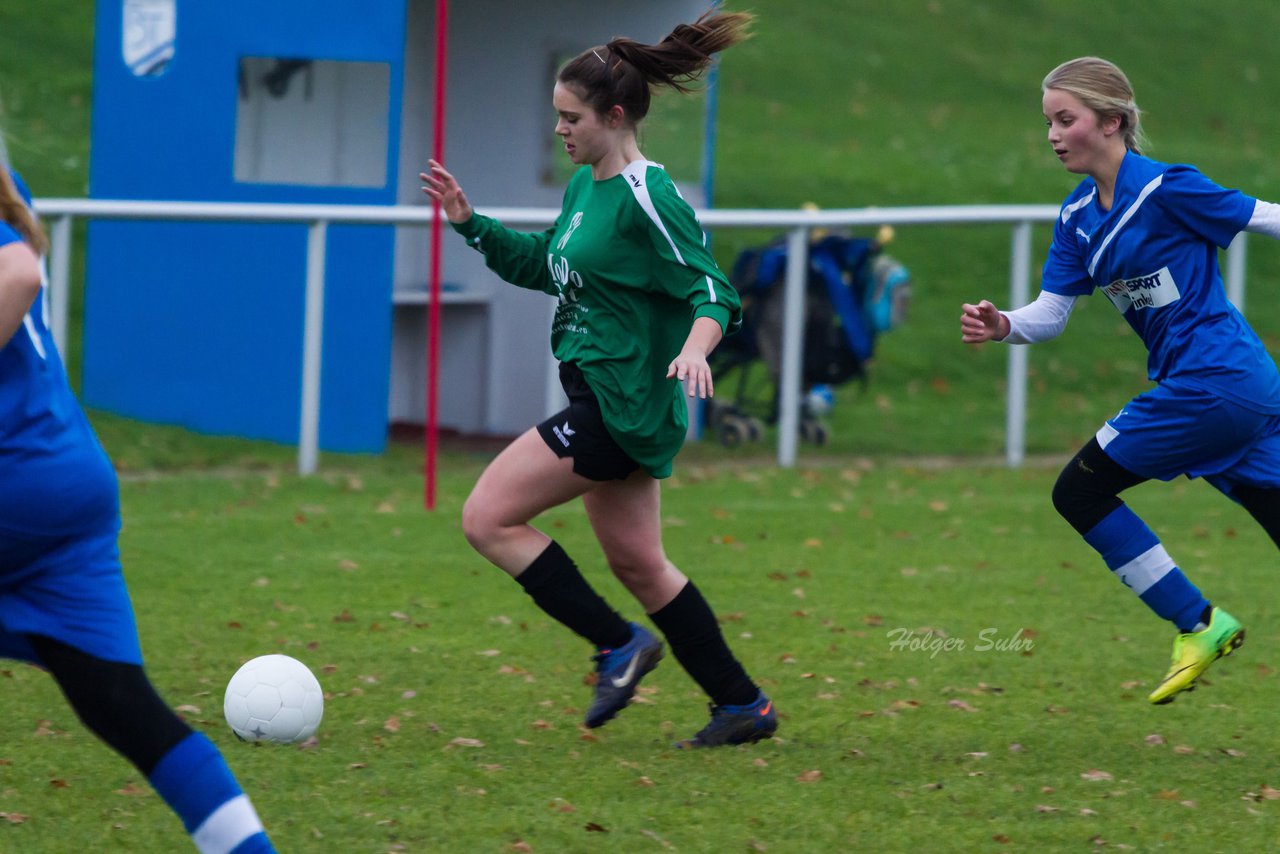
[854,293]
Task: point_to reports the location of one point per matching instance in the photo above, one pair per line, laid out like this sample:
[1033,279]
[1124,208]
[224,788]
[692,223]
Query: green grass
[423,649]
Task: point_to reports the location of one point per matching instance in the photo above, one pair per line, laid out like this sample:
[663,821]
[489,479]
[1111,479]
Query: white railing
[799,223]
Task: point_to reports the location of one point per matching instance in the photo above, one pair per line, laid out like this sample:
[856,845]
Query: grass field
[453,704]
[955,670]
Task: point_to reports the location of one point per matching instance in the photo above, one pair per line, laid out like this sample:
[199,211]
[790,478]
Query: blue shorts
[1172,431]
[68,588]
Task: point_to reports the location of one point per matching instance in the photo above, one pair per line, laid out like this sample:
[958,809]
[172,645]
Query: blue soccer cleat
[736,725]
[619,671]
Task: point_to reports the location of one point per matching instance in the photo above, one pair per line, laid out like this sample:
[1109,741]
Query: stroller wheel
[813,431]
[732,431]
[755,428]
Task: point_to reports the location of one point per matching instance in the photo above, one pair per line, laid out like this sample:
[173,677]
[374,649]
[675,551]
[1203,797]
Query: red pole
[433,301]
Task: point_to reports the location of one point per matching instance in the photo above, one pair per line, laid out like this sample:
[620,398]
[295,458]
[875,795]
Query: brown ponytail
[623,71]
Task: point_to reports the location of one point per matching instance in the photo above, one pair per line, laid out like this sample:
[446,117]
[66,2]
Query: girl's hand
[982,322]
[691,368]
[443,187]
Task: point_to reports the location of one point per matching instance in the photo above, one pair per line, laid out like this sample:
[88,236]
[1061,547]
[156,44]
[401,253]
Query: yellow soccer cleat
[1193,652]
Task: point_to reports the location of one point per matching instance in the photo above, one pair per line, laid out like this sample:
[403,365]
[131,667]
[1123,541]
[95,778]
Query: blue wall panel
[200,324]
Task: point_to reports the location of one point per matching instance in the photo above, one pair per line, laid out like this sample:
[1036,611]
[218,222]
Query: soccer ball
[273,698]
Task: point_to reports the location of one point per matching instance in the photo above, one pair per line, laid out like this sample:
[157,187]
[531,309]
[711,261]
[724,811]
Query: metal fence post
[1019,295]
[59,293]
[1237,253]
[792,346]
[312,348]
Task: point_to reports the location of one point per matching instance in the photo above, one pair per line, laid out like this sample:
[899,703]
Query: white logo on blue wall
[148,35]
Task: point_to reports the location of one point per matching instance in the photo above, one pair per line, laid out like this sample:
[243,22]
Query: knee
[1065,494]
[479,522]
[635,569]
[1083,496]
[472,521]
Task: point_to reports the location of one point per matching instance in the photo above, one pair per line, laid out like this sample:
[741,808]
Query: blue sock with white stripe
[1133,553]
[196,783]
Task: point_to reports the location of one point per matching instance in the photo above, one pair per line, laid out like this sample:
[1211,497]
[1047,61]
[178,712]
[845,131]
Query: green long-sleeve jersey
[628,262]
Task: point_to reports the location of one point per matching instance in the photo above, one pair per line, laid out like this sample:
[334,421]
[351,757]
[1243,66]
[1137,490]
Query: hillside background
[853,103]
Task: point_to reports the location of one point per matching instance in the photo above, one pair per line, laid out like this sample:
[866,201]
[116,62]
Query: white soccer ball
[273,698]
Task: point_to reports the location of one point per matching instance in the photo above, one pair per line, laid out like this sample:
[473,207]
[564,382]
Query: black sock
[697,643]
[556,585]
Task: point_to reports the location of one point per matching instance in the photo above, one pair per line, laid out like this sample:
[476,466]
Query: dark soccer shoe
[619,671]
[736,725]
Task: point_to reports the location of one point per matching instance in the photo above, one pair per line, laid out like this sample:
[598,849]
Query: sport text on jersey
[568,284]
[1152,290]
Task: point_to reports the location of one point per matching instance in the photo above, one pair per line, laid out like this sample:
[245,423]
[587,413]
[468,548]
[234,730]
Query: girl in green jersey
[641,304]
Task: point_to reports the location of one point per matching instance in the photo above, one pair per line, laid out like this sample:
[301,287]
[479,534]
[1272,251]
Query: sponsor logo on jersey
[568,232]
[635,180]
[567,281]
[1152,290]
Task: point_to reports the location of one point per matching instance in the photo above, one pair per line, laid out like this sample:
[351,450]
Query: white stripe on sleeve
[635,175]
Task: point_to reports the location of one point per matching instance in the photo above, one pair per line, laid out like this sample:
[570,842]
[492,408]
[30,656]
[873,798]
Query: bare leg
[521,482]
[627,520]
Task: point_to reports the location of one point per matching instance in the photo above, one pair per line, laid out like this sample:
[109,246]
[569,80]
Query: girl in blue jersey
[641,304]
[63,602]
[1146,234]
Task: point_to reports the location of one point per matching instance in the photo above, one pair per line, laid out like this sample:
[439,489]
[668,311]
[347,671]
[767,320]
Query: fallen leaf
[465,742]
[809,776]
[1095,775]
[592,827]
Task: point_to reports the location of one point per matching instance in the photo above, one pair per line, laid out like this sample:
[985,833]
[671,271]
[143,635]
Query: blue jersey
[54,476]
[1154,254]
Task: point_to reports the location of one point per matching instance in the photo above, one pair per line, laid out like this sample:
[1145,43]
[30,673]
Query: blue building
[200,324]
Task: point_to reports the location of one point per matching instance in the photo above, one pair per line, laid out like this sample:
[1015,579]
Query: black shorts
[579,432]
